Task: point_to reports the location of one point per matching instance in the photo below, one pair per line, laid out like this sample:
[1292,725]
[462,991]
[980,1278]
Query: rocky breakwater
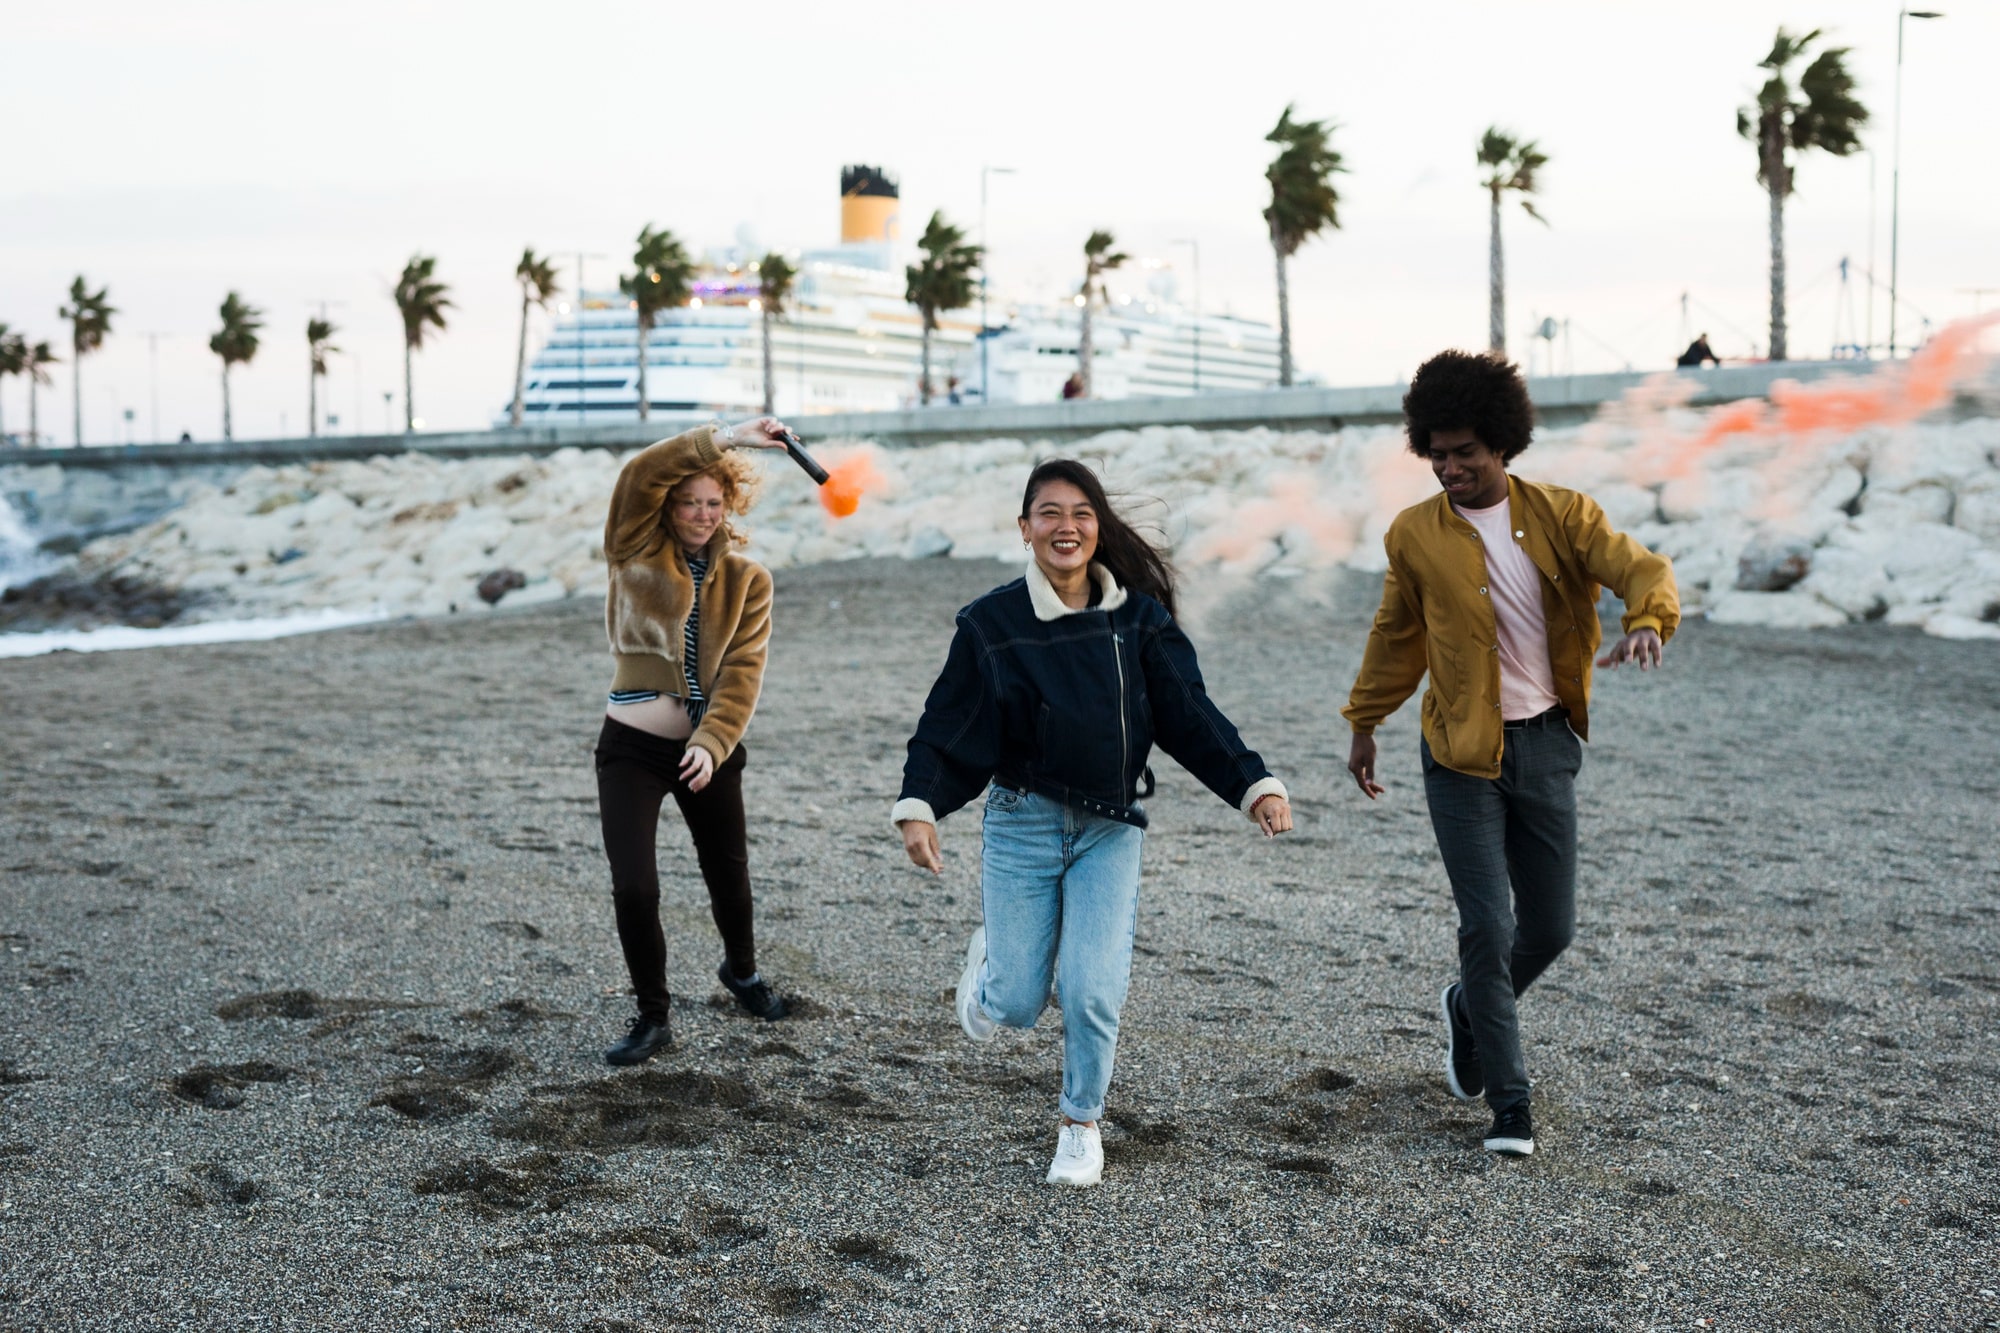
[1805,511]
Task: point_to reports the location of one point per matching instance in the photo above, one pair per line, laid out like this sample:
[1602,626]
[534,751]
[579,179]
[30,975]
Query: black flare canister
[804,459]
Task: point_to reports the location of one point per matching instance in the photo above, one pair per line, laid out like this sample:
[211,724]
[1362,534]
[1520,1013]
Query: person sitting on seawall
[1055,688]
[1698,352]
[1492,589]
[689,619]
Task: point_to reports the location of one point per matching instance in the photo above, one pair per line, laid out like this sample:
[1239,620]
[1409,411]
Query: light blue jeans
[1060,890]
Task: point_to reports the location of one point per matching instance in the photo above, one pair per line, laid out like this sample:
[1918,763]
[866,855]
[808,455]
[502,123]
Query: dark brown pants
[636,771]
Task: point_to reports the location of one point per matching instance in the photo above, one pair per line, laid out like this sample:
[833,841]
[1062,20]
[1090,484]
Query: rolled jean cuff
[1080,1114]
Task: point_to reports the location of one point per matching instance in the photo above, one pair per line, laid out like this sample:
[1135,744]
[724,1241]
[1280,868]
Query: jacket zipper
[1118,660]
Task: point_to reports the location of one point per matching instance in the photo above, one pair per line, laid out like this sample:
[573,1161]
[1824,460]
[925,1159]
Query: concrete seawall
[1560,400]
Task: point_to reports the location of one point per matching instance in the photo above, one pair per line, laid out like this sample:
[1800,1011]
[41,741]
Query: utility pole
[1195,245]
[153,378]
[1896,169]
[984,263]
[1868,351]
[312,397]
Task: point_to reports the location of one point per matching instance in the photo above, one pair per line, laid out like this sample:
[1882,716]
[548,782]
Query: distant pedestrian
[186,438]
[1073,386]
[1698,352]
[1055,689]
[689,619]
[1492,590]
[951,391]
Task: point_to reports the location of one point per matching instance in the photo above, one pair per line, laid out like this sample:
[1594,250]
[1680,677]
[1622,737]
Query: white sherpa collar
[1049,605]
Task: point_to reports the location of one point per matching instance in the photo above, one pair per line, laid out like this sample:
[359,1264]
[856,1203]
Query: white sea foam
[20,560]
[117,638]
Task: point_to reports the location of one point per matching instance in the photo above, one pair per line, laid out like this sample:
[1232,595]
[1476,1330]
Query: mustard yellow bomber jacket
[651,590]
[1436,616]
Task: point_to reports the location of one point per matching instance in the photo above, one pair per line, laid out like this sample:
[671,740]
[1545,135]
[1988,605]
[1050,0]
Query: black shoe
[754,995]
[1513,1132]
[646,1039]
[1462,1073]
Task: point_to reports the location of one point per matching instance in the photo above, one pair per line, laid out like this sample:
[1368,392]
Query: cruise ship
[848,342]
[1141,347]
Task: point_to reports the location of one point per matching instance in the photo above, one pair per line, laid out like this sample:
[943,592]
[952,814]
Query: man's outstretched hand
[1361,763]
[1642,648]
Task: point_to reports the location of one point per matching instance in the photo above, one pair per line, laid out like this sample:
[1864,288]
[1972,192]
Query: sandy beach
[307,957]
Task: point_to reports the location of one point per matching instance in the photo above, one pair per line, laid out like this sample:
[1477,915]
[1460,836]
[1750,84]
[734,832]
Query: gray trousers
[1509,847]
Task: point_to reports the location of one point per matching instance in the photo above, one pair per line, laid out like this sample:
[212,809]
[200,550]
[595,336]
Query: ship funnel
[870,205]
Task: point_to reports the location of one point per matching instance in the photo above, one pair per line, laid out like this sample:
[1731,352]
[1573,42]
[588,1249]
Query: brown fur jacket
[646,605]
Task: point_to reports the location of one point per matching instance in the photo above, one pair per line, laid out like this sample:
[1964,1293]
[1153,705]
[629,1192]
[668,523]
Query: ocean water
[117,638]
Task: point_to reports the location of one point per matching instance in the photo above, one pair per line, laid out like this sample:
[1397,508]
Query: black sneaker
[1462,1073]
[1513,1132]
[755,995]
[645,1039]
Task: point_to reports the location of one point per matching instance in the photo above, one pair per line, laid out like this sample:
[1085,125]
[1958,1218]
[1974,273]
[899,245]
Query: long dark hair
[1135,562]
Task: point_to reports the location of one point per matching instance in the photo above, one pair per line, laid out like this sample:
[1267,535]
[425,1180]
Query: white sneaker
[1079,1157]
[970,1016]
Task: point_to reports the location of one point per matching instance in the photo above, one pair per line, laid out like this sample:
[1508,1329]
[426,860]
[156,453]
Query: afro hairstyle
[1477,390]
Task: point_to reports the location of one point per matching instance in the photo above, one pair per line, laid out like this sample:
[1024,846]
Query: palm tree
[89,315]
[235,342]
[13,361]
[537,276]
[940,281]
[662,278]
[775,275]
[1098,259]
[319,335]
[1510,164]
[39,356]
[422,299]
[1822,113]
[1303,204]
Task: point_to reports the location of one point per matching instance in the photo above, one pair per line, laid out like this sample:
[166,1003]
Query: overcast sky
[296,154]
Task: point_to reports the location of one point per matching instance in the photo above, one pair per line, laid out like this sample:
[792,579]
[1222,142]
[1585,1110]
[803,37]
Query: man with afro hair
[1492,589]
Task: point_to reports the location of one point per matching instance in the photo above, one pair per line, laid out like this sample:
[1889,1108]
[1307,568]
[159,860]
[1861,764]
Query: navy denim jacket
[1070,707]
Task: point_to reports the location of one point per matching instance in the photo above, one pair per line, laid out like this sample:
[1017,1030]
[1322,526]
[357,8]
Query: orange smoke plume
[1294,514]
[848,479]
[1892,395]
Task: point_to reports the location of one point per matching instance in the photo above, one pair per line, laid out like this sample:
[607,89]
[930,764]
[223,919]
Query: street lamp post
[153,379]
[1896,167]
[1195,245]
[984,172]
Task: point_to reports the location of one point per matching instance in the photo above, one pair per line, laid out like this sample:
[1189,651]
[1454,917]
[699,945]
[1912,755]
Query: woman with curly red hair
[689,618]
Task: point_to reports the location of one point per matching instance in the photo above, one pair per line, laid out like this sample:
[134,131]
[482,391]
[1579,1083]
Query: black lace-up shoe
[1462,1073]
[645,1039]
[755,995]
[1513,1132]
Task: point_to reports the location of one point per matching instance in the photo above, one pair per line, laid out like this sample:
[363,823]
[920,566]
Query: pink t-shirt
[1527,683]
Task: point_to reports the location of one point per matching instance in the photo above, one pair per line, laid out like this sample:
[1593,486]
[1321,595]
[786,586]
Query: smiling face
[1473,476]
[1061,526]
[696,509]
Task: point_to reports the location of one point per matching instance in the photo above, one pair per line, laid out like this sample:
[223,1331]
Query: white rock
[1780,610]
[1926,560]
[1944,625]
[1851,581]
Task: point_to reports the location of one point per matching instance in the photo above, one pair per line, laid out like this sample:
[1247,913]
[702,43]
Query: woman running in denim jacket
[1055,689]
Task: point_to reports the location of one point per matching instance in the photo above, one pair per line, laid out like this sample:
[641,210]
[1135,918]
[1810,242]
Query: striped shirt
[695,703]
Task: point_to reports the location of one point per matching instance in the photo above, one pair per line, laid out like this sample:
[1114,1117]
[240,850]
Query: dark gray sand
[307,959]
